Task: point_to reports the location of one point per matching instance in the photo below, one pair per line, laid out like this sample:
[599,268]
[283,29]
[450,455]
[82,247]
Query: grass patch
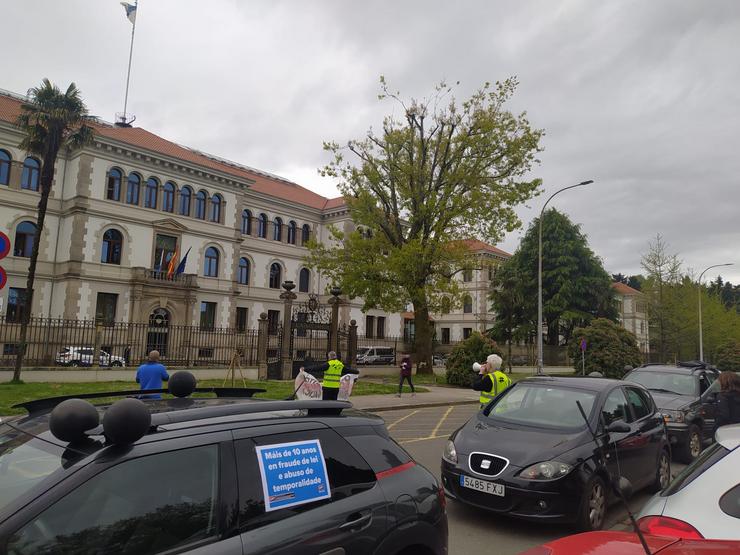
[14,393]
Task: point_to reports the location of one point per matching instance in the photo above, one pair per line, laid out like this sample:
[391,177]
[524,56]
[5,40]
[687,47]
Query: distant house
[633,313]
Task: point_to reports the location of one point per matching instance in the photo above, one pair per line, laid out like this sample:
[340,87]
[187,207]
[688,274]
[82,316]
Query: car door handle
[356,520]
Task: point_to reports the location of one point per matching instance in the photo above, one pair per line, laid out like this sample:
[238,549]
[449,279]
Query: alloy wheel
[596,506]
[664,471]
[695,444]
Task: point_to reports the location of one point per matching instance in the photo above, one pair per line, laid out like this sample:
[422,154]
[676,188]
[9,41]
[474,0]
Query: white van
[376,355]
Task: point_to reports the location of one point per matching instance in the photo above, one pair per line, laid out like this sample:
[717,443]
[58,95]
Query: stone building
[633,313]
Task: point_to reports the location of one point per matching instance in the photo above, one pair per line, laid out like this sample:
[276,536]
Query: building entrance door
[158,333]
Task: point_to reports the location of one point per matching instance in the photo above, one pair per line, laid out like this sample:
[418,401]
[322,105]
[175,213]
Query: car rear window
[703,462]
[380,451]
[665,382]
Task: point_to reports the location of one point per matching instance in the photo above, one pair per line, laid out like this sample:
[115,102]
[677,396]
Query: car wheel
[115,363]
[662,473]
[593,506]
[75,363]
[691,449]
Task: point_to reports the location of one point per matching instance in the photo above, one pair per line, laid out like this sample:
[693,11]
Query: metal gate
[310,336]
[274,347]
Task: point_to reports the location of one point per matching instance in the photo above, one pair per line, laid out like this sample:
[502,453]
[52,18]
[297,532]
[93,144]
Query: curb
[417,406]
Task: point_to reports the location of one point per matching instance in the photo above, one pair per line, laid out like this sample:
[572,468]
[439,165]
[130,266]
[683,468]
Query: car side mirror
[618,427]
[711,397]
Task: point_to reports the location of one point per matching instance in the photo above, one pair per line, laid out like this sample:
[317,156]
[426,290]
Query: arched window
[305,234]
[132,190]
[185,195]
[216,208]
[200,205]
[446,305]
[211,266]
[150,194]
[262,226]
[277,229]
[25,233]
[168,197]
[304,279]
[292,232]
[276,273]
[467,304]
[246,222]
[4,167]
[113,190]
[30,175]
[243,277]
[112,244]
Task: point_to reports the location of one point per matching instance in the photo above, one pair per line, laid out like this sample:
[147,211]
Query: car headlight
[450,453]
[548,470]
[672,415]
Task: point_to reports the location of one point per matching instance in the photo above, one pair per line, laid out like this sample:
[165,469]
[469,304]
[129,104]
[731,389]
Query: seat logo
[485,464]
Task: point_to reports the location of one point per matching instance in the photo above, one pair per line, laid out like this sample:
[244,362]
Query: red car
[627,543]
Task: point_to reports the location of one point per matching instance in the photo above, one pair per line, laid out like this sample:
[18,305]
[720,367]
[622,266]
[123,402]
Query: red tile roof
[334,203]
[478,246]
[624,289]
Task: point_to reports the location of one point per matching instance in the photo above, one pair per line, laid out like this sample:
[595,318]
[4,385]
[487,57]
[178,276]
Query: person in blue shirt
[151,374]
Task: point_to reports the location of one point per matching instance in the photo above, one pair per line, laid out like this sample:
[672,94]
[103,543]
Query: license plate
[482,485]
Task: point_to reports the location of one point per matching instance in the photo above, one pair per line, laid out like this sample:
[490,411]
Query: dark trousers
[329,393]
[400,383]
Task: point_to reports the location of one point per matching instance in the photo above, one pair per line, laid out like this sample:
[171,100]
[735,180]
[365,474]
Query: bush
[460,362]
[609,348]
[727,356]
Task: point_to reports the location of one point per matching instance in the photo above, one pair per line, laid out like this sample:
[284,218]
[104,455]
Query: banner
[346,383]
[307,387]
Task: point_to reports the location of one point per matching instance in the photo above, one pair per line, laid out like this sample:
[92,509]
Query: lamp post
[701,338]
[539,274]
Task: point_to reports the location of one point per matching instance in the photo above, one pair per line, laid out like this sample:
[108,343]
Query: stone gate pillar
[335,303]
[286,359]
[262,347]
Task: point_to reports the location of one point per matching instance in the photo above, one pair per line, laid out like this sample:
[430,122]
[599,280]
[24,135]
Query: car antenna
[614,486]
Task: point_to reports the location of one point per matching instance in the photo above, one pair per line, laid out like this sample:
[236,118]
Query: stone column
[262,347]
[16,170]
[286,359]
[335,303]
[352,347]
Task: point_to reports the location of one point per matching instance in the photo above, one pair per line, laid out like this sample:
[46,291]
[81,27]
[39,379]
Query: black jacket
[728,408]
[325,366]
[483,383]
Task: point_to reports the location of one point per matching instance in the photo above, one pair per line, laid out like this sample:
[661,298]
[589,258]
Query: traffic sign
[4,245]
[3,278]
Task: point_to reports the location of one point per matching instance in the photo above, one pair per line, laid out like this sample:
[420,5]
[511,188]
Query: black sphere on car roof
[70,420]
[182,383]
[126,421]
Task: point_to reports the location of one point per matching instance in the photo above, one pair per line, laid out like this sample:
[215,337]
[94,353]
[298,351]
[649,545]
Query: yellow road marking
[402,419]
[414,440]
[436,428]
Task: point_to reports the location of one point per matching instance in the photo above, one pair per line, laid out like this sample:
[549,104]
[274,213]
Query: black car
[682,393]
[529,454]
[219,476]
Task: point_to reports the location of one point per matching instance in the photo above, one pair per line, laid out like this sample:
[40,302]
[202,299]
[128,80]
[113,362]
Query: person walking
[151,374]
[490,381]
[333,371]
[406,375]
[728,400]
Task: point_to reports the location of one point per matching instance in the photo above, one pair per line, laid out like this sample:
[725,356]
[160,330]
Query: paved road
[423,432]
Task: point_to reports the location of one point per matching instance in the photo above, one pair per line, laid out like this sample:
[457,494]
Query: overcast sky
[643,97]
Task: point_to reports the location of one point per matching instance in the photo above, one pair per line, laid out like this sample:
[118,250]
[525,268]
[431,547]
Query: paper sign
[293,474]
[307,387]
[346,383]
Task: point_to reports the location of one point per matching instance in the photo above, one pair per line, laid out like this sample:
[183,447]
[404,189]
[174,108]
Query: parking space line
[439,424]
[402,419]
[415,439]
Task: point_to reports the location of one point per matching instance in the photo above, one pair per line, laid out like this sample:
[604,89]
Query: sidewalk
[436,397]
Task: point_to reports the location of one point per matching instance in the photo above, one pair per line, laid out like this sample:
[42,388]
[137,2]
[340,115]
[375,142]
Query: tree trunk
[422,336]
[509,350]
[46,178]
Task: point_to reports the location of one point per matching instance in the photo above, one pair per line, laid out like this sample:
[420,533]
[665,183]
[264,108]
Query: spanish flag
[172,266]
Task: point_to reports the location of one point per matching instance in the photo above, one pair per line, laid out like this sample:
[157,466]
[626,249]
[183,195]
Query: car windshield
[665,382]
[24,463]
[362,351]
[543,406]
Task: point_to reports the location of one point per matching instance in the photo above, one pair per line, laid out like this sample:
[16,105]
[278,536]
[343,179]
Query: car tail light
[671,527]
[442,497]
[394,470]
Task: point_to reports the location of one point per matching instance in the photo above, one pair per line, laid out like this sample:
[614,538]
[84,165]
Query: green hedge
[460,362]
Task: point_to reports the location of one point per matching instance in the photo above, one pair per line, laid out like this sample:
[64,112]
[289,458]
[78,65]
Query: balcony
[155,277]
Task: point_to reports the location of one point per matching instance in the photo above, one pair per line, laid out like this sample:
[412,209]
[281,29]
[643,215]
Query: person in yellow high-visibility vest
[333,370]
[491,381]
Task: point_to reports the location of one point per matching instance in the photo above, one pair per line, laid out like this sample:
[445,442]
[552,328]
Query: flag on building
[171,266]
[181,266]
[130,11]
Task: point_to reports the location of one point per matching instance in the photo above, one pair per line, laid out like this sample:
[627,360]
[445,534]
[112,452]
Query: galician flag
[130,11]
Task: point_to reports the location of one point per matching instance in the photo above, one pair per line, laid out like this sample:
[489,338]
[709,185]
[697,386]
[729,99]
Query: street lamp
[539,275]
[701,339]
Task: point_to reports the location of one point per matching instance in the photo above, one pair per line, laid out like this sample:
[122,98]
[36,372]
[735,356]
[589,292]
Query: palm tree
[51,120]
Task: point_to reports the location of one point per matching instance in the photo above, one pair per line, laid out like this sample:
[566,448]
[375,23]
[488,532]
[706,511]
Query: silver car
[704,499]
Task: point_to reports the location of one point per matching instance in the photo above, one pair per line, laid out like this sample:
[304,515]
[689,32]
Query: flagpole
[130,55]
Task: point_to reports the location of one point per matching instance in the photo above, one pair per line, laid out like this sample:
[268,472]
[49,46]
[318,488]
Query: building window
[216,208]
[275,275]
[273,321]
[242,314]
[211,265]
[304,279]
[168,197]
[292,232]
[446,305]
[305,234]
[113,190]
[205,352]
[243,277]
[445,336]
[164,250]
[467,304]
[112,245]
[369,326]
[200,205]
[246,222]
[381,328]
[105,308]
[642,328]
[25,233]
[185,195]
[150,193]
[132,189]
[262,226]
[467,332]
[16,304]
[4,167]
[30,175]
[467,275]
[207,316]
[277,229]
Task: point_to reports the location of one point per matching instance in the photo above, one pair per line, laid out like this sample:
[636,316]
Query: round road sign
[4,245]
[3,278]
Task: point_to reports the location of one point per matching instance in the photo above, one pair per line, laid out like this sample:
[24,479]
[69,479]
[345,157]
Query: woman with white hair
[490,381]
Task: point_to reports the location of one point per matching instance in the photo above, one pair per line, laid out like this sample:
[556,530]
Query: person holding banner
[333,371]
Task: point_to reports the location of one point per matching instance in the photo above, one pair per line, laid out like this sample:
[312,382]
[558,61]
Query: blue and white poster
[293,474]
